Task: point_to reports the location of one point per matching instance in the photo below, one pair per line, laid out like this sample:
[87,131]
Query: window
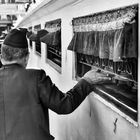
[53,43]
[2,1]
[11,1]
[14,17]
[108,42]
[28,34]
[54,49]
[37,41]
[9,17]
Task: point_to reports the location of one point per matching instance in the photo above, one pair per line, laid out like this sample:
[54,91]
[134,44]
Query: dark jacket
[25,97]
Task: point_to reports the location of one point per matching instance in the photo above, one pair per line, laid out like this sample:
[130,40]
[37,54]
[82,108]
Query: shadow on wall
[79,125]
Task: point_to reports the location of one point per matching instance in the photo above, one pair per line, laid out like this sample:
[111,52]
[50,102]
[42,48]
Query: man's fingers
[97,77]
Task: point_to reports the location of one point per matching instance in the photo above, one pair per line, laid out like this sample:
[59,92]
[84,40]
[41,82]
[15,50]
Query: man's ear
[26,60]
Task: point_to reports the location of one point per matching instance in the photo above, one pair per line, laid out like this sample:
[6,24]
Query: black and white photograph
[69,70]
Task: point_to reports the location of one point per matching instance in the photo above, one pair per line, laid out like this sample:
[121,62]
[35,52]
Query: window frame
[123,113]
[38,42]
[52,63]
[50,49]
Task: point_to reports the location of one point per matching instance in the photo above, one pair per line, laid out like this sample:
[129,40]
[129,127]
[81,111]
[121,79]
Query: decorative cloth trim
[53,26]
[113,19]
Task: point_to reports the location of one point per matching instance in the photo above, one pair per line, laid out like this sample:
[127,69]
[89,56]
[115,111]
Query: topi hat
[16,39]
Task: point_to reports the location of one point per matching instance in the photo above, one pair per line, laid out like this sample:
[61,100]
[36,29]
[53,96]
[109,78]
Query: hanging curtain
[33,37]
[106,34]
[110,39]
[118,44]
[29,33]
[85,43]
[53,37]
[41,33]
[130,49]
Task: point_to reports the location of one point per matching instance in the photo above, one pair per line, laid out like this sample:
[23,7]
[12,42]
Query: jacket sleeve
[62,103]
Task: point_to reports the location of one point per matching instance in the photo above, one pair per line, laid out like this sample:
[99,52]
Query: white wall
[92,120]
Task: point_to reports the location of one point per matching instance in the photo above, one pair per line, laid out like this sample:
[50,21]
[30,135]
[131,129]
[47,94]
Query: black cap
[16,39]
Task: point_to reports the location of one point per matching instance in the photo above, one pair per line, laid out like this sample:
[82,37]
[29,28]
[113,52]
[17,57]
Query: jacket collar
[12,65]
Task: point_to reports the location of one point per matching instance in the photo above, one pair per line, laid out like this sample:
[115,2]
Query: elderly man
[27,94]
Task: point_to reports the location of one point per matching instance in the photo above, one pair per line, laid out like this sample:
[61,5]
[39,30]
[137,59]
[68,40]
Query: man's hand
[95,77]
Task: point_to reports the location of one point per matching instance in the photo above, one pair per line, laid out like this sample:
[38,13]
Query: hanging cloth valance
[103,21]
[52,39]
[106,44]
[53,26]
[85,43]
[33,37]
[100,35]
[130,48]
[113,44]
[36,37]
[41,33]
[29,33]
